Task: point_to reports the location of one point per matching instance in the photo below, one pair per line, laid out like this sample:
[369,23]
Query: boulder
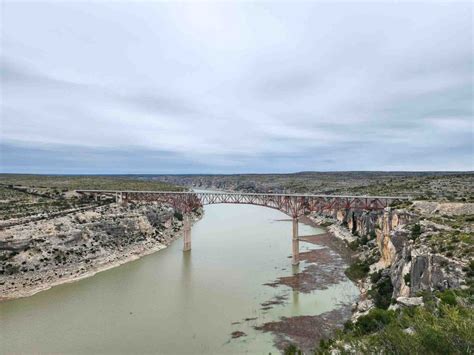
[365,305]
[410,301]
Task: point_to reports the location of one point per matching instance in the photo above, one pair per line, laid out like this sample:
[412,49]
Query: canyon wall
[40,254]
[387,242]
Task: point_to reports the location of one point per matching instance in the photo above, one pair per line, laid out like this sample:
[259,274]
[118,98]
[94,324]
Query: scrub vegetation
[419,302]
[27,195]
[94,182]
[444,325]
[441,186]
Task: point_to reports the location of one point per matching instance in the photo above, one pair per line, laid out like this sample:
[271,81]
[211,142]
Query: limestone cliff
[408,246]
[39,254]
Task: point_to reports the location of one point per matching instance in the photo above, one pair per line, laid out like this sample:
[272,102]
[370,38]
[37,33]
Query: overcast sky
[166,87]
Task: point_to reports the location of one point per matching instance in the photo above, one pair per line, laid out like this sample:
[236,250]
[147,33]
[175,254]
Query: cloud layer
[164,87]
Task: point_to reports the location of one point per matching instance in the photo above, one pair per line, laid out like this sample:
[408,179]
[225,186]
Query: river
[172,302]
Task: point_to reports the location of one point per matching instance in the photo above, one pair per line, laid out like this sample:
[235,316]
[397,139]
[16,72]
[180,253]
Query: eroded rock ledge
[423,248]
[40,254]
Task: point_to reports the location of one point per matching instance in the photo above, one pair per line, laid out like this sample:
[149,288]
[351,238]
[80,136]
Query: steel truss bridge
[294,205]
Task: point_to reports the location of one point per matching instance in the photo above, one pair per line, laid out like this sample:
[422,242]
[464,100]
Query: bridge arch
[293,205]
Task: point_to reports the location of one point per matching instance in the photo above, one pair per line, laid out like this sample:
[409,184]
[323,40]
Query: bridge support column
[295,243]
[119,197]
[187,233]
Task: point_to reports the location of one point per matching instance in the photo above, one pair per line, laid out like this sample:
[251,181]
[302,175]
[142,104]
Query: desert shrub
[470,269]
[375,320]
[374,277]
[449,331]
[419,330]
[325,344]
[381,292]
[292,350]
[415,231]
[448,297]
[354,245]
[407,278]
[363,240]
[357,270]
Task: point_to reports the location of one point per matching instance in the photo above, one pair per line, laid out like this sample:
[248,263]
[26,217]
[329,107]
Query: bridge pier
[187,232]
[295,243]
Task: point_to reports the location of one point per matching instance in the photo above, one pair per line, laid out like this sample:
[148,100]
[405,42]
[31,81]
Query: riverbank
[159,303]
[320,268]
[38,255]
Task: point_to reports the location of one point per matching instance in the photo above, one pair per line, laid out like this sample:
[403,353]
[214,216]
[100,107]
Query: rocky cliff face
[405,244]
[37,255]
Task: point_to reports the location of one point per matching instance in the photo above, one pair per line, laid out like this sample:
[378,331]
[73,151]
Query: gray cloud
[163,104]
[231,87]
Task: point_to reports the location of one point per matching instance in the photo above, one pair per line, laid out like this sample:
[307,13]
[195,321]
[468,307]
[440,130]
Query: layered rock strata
[40,254]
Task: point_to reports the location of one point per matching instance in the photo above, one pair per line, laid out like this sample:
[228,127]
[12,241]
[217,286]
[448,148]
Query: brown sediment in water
[277,300]
[325,267]
[237,334]
[327,239]
[306,331]
[322,268]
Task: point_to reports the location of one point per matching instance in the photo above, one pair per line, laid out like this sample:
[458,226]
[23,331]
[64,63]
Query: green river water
[172,302]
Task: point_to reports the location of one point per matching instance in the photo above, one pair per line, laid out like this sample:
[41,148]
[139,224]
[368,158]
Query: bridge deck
[244,194]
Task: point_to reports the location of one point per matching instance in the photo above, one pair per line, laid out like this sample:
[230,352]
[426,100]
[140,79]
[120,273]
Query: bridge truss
[293,205]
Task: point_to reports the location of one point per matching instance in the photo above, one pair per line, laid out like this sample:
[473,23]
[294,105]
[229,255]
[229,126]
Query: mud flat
[322,268]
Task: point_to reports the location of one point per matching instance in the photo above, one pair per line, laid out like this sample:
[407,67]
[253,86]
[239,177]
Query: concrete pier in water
[295,243]
[187,233]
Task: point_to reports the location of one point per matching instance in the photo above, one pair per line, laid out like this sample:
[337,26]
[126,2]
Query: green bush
[419,330]
[448,297]
[375,277]
[407,279]
[470,270]
[381,292]
[292,350]
[449,331]
[437,328]
[415,231]
[354,245]
[363,240]
[357,270]
[325,344]
[375,320]
[178,216]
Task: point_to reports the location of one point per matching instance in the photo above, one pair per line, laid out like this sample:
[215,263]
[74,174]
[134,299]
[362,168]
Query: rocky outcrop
[433,272]
[445,208]
[410,301]
[40,254]
[405,256]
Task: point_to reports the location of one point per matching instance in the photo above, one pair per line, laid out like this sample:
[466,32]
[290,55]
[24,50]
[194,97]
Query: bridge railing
[243,194]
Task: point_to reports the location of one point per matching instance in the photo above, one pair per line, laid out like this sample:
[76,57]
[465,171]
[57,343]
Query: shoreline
[73,278]
[26,284]
[325,267]
[291,327]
